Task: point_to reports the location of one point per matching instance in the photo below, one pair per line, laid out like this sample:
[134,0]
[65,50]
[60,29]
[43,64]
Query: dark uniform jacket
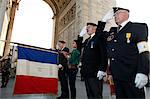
[6,68]
[93,56]
[125,59]
[62,59]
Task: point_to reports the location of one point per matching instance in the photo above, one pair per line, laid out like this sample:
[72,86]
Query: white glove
[141,80]
[100,74]
[108,16]
[60,66]
[83,31]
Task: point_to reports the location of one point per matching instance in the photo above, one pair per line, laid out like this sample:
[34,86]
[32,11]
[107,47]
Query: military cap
[118,8]
[93,24]
[62,42]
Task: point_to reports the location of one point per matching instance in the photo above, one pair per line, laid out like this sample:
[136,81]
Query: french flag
[37,71]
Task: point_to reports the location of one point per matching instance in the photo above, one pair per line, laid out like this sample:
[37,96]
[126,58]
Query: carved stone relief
[63,3]
[68,17]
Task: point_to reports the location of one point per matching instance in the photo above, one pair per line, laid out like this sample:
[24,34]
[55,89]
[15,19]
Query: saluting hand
[109,15]
[83,31]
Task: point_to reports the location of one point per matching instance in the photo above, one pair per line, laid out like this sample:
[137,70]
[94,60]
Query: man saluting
[128,52]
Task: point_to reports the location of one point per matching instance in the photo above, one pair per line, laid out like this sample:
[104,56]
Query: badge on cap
[128,36]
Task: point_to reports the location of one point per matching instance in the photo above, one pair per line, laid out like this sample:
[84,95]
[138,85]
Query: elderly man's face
[61,45]
[91,29]
[121,16]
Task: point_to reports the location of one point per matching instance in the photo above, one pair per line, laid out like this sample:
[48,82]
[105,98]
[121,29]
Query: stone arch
[71,15]
[53,5]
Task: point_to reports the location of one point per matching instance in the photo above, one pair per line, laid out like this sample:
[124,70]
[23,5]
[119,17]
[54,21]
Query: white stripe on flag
[37,69]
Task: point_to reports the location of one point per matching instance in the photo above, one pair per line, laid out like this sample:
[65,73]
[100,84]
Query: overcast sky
[33,21]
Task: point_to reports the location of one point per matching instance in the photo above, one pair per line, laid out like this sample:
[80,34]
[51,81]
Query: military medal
[109,38]
[128,36]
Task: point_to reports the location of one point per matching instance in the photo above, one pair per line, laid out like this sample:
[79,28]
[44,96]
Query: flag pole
[5,41]
[29,46]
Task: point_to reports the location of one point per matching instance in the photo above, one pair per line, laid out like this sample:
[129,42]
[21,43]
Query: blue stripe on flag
[37,55]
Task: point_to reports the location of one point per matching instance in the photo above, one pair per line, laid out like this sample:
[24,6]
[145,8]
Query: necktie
[88,41]
[118,28]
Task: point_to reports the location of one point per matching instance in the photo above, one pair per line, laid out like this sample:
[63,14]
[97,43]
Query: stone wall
[76,14]
[66,24]
[91,11]
[67,18]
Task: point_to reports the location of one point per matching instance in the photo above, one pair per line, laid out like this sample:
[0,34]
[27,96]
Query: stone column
[3,5]
[53,32]
[10,26]
[4,21]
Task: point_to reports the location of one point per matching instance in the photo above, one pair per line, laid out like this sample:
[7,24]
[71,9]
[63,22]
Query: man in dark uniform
[5,72]
[129,56]
[63,67]
[93,57]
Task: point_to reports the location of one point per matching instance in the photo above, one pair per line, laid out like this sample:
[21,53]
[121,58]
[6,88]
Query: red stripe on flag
[35,85]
